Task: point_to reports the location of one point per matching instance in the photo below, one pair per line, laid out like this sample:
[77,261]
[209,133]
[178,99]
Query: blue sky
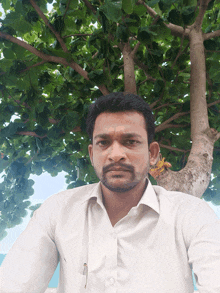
[44,186]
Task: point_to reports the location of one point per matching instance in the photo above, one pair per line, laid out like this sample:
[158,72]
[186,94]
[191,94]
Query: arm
[32,260]
[203,238]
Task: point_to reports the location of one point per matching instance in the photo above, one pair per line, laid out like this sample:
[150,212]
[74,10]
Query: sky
[45,186]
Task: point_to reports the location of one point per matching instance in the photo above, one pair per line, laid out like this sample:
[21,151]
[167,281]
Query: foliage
[44,103]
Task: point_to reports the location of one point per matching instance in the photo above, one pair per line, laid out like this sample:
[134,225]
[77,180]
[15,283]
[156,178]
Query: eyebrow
[126,135]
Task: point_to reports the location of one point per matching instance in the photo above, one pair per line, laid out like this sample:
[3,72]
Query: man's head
[120,102]
[120,127]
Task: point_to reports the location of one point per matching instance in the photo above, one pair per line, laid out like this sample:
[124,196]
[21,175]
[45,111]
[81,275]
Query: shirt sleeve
[32,260]
[202,230]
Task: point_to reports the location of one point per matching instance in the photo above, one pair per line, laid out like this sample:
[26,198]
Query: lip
[124,170]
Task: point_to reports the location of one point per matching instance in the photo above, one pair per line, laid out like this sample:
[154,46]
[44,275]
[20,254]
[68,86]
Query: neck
[118,204]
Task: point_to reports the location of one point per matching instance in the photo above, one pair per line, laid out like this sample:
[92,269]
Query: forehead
[120,122]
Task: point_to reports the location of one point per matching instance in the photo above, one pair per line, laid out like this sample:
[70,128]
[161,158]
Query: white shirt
[152,249]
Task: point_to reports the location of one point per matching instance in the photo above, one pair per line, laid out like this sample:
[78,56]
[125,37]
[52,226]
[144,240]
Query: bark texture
[129,75]
[194,178]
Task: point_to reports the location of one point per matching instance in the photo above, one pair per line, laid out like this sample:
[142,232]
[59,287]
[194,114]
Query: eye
[132,142]
[102,142]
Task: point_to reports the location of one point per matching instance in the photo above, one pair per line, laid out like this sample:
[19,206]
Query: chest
[130,257]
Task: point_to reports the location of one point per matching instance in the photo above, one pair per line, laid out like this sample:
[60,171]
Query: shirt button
[112,281]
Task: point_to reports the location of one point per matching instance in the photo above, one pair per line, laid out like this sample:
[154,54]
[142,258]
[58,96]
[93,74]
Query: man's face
[120,153]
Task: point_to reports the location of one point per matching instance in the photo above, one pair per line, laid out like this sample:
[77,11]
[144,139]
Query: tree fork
[194,178]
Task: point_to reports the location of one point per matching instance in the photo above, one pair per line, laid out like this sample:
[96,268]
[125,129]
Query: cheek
[98,161]
[140,162]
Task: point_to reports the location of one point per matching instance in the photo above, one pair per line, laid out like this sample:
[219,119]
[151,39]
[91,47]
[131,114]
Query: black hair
[120,102]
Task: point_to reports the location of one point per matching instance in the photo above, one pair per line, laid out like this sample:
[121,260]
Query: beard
[123,181]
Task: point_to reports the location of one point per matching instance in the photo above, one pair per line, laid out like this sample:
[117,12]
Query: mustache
[123,166]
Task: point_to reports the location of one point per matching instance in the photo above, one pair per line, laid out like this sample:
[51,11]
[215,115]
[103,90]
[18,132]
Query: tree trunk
[195,177]
[129,75]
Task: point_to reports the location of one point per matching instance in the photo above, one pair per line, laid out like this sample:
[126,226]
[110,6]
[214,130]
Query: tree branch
[180,50]
[129,76]
[173,148]
[67,7]
[211,35]
[213,103]
[31,133]
[202,9]
[46,21]
[135,49]
[166,126]
[77,35]
[45,57]
[162,126]
[35,65]
[50,58]
[176,30]
[198,104]
[90,6]
[144,68]
[165,105]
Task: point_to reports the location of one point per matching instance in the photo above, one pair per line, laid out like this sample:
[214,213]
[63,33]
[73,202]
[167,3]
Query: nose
[116,152]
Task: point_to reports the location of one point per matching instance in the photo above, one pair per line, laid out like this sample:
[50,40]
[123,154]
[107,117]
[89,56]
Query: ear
[154,150]
[90,149]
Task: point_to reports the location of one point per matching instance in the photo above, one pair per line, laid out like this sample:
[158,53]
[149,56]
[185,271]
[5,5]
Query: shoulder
[177,197]
[67,198]
[185,206]
[77,195]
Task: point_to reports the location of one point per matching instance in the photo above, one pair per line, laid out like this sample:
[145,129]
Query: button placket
[111,263]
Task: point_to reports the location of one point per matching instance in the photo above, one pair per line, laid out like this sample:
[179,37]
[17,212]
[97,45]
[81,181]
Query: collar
[149,197]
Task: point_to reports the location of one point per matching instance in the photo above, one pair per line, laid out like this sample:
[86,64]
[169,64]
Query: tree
[54,64]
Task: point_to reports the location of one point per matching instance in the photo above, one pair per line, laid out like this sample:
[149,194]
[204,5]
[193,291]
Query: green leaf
[112,9]
[9,54]
[168,74]
[32,16]
[23,26]
[70,121]
[6,4]
[140,10]
[152,3]
[54,133]
[19,8]
[174,17]
[11,18]
[122,33]
[158,86]
[128,6]
[19,51]
[188,15]
[211,4]
[211,45]
[97,76]
[144,35]
[164,5]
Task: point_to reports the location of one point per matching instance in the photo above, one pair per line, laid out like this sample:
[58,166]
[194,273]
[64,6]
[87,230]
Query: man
[122,234]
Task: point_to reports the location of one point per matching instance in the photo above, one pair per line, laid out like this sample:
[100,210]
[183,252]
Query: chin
[119,187]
